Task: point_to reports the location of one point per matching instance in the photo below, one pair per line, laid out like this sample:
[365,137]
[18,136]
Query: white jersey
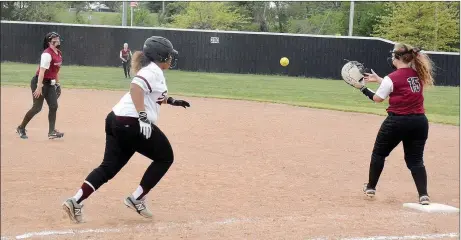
[150,78]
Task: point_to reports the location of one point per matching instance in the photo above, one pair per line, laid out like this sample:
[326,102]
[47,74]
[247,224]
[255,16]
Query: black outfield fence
[215,51]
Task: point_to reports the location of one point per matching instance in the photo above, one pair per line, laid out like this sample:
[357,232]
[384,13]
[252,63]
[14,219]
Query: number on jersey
[414,84]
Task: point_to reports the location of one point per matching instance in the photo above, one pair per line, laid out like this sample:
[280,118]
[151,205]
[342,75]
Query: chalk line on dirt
[425,236]
[227,221]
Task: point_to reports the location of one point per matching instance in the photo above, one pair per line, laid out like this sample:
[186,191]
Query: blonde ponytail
[418,60]
[138,61]
[423,66]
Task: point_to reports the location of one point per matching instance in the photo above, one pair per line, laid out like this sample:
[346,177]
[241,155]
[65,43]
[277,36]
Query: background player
[125,55]
[45,85]
[406,121]
[131,127]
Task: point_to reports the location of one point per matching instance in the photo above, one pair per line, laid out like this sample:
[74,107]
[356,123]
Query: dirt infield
[242,170]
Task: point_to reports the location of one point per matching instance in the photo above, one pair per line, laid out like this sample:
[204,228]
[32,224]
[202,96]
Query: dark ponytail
[48,38]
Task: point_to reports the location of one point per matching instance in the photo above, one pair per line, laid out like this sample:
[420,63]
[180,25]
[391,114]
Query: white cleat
[139,206]
[73,210]
[424,200]
[370,192]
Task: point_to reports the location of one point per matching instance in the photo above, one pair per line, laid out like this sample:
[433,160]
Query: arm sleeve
[45,60]
[386,87]
[143,82]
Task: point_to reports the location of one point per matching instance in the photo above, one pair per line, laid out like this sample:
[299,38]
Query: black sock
[52,120]
[420,177]
[86,191]
[376,168]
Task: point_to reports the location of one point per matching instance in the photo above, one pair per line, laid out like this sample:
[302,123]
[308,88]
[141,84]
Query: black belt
[45,80]
[126,120]
[411,114]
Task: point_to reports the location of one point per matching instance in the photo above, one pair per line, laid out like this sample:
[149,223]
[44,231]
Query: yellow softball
[284,61]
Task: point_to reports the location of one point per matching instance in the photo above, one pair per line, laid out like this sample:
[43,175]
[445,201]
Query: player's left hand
[371,77]
[180,103]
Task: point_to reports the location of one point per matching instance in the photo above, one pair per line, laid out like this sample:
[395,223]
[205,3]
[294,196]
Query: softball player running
[131,127]
[406,121]
[45,86]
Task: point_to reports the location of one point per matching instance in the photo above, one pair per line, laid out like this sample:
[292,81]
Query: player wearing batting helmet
[131,127]
[406,121]
[45,86]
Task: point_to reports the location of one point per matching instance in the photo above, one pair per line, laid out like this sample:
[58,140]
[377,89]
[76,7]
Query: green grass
[100,18]
[442,103]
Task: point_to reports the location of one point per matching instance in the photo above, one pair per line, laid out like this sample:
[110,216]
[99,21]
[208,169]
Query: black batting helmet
[159,49]
[48,38]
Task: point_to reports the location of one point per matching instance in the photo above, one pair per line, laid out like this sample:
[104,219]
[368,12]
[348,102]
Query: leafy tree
[209,15]
[141,17]
[328,18]
[430,25]
[171,9]
[156,7]
[281,15]
[114,6]
[30,11]
[256,12]
[366,16]
[80,7]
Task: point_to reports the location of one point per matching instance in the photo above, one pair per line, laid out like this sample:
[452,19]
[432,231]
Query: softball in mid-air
[284,61]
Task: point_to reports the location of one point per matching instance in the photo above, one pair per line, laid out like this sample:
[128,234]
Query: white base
[432,208]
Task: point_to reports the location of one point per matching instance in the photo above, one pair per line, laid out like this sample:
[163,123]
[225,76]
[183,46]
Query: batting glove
[145,125]
[175,102]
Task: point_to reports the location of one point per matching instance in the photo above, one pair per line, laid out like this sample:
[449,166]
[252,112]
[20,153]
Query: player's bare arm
[137,94]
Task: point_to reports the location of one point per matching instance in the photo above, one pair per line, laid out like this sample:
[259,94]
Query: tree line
[430,25]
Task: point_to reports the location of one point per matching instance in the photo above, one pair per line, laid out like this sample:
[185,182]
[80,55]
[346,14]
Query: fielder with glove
[131,127]
[353,74]
[406,121]
[44,86]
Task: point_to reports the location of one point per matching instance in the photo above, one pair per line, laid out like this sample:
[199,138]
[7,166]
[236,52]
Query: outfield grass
[442,103]
[101,18]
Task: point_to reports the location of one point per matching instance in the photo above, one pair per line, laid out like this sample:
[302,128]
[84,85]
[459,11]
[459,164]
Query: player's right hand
[145,125]
[38,91]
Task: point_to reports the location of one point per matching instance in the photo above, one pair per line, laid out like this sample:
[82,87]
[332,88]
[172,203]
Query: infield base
[432,208]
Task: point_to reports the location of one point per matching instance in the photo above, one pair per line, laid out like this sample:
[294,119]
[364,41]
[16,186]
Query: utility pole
[351,18]
[124,10]
[131,15]
[163,7]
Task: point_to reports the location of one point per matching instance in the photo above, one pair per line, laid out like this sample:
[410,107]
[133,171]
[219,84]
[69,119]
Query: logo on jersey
[415,86]
[162,98]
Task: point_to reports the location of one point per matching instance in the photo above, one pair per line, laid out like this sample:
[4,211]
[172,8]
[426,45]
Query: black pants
[126,68]
[48,94]
[123,139]
[412,131]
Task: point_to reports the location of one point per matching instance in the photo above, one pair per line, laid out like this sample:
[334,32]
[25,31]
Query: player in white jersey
[131,127]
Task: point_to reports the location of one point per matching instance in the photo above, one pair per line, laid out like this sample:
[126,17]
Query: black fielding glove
[58,89]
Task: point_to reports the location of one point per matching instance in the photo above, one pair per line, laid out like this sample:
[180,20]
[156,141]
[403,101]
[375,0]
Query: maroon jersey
[407,95]
[55,64]
[125,53]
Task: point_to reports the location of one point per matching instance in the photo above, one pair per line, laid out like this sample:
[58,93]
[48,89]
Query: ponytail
[419,61]
[423,66]
[138,61]
[46,40]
